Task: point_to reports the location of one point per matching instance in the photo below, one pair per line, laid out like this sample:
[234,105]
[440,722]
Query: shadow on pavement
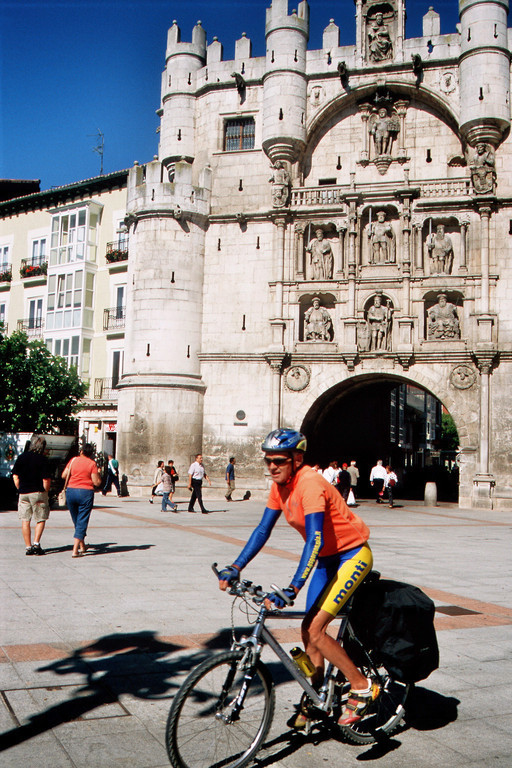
[132,663]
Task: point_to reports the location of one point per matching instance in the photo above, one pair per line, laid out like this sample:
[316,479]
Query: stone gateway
[378,250]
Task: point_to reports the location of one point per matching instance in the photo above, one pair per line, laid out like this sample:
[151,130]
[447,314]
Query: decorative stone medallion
[463,376]
[448,82]
[297,378]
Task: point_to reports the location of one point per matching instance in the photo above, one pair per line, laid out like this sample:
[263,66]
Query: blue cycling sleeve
[258,538]
[313,545]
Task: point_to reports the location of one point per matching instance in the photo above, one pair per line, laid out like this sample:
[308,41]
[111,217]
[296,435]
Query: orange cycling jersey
[309,492]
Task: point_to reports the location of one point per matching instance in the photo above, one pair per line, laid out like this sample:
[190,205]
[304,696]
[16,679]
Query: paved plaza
[94,648]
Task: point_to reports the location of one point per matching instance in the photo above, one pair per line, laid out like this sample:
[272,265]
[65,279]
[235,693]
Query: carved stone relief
[463,377]
[317,323]
[379,37]
[440,251]
[482,165]
[281,183]
[297,378]
[443,320]
[374,335]
[321,258]
[381,240]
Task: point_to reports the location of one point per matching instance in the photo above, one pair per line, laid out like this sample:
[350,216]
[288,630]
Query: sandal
[358,704]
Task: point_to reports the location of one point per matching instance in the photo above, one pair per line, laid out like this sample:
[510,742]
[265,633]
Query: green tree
[38,392]
[449,434]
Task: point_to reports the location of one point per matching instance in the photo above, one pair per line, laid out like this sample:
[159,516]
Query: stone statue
[384,129]
[317,323]
[321,257]
[380,46]
[483,168]
[281,183]
[440,250]
[443,321]
[379,320]
[382,241]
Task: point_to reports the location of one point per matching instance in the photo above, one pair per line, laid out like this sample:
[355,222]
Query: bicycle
[223,711]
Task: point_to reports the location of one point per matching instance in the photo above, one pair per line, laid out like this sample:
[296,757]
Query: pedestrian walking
[168,490]
[389,483]
[82,477]
[196,475]
[230,478]
[32,477]
[343,484]
[112,476]
[378,476]
[354,477]
[157,479]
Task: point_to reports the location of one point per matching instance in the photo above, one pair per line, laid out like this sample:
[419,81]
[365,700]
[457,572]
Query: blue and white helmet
[284,440]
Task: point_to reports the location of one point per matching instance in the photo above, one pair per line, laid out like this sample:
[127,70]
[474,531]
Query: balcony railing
[105,389]
[32,326]
[33,268]
[114,318]
[5,274]
[117,251]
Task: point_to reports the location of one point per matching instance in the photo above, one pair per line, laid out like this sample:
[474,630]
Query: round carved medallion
[297,378]
[463,377]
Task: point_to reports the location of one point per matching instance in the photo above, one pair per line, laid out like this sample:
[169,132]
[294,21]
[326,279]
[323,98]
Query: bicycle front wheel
[207,727]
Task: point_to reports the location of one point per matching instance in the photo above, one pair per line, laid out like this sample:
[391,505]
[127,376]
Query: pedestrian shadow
[135,664]
[105,548]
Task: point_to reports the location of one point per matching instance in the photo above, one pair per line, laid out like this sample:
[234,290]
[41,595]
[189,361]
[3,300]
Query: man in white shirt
[377,477]
[331,473]
[196,473]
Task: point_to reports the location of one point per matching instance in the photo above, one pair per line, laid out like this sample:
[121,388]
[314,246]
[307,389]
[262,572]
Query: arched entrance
[379,416]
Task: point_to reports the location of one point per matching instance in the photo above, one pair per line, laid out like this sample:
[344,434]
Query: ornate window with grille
[239,134]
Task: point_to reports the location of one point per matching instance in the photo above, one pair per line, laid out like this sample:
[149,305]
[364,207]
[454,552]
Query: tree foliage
[449,434]
[38,392]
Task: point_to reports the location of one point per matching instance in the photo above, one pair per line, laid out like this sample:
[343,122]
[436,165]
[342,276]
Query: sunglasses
[278,461]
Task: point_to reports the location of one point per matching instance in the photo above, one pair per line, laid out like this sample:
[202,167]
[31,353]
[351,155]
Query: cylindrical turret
[284,82]
[161,392]
[178,94]
[484,67]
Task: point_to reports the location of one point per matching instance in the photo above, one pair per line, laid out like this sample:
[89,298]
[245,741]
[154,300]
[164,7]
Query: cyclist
[335,539]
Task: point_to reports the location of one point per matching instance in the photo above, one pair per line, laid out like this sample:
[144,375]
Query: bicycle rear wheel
[204,730]
[385,715]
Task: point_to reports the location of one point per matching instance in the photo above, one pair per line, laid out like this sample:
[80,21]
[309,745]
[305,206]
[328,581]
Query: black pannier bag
[395,621]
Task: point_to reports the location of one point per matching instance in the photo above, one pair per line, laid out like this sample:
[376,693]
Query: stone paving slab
[93,649]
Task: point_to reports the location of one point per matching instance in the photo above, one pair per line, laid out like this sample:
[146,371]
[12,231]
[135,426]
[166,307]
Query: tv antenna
[100,144]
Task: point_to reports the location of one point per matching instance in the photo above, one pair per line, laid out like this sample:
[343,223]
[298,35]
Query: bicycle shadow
[112,666]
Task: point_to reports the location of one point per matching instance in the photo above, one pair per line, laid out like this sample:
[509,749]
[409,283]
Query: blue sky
[69,68]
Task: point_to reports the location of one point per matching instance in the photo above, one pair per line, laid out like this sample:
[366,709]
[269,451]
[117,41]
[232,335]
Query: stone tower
[161,392]
[484,67]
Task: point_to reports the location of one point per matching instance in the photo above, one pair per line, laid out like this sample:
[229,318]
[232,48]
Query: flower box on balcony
[33,270]
[6,276]
[116,255]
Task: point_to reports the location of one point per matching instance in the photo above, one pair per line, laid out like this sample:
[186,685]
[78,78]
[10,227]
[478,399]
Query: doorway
[384,417]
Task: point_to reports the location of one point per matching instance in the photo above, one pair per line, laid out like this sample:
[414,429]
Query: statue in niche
[317,323]
[483,168]
[281,184]
[443,321]
[384,129]
[380,47]
[382,241]
[440,250]
[321,257]
[378,320]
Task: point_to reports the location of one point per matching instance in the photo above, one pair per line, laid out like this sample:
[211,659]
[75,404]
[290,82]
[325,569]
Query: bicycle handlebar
[244,587]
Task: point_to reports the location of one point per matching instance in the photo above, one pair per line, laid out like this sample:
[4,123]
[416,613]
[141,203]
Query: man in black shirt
[32,478]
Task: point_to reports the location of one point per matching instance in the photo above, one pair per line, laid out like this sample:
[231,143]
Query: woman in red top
[82,477]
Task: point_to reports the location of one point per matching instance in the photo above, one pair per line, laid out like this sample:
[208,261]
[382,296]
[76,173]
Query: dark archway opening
[378,417]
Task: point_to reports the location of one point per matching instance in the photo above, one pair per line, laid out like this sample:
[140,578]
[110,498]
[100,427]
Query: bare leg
[319,646]
[27,534]
[39,531]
